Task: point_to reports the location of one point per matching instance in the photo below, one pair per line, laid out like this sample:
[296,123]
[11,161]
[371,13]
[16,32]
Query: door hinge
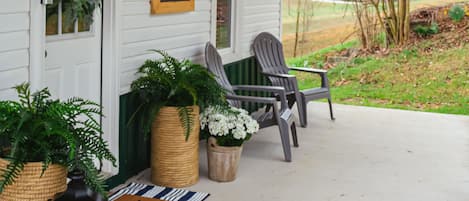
[47,2]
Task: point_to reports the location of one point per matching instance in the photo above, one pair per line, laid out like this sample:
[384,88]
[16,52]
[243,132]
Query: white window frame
[68,36]
[232,53]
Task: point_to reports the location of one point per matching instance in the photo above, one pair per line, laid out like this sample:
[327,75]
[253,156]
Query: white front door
[73,54]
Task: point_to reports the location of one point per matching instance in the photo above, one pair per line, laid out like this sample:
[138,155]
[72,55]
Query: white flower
[232,121]
[239,134]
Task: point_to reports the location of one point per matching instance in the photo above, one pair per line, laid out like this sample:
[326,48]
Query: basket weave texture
[174,161]
[31,186]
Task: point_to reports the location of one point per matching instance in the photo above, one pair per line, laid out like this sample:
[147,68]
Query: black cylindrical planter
[78,191]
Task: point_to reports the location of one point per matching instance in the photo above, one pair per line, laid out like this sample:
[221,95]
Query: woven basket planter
[31,186]
[174,161]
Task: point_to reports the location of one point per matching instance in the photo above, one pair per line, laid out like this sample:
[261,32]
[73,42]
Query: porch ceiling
[366,154]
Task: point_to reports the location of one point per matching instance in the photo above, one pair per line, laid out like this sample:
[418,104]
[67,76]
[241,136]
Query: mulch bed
[451,34]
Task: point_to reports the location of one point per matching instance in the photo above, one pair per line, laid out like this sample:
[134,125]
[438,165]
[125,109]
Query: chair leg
[301,110]
[291,100]
[294,135]
[284,135]
[267,108]
[330,108]
[305,113]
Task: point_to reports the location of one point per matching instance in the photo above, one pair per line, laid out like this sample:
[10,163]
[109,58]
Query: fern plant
[171,82]
[39,129]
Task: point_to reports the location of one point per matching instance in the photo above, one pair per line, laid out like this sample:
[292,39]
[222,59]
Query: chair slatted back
[269,53]
[215,66]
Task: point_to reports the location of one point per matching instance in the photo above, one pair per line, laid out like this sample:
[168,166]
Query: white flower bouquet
[229,125]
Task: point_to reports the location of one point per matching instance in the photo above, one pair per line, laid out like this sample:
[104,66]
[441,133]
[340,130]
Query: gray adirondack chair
[269,54]
[283,116]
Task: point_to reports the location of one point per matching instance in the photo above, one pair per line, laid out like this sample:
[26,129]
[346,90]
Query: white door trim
[110,73]
[37,42]
[110,79]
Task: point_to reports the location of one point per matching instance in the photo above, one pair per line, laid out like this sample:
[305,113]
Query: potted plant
[171,93]
[227,128]
[42,139]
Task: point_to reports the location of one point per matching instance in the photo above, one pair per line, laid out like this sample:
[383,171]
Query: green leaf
[186,116]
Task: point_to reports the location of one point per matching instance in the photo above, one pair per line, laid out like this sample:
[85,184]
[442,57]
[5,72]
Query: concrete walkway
[366,154]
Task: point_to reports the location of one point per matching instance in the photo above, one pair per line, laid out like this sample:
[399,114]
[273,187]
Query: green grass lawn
[436,82]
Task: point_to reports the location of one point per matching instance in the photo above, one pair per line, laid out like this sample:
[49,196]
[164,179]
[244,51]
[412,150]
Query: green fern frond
[11,172]
[47,161]
[186,116]
[92,177]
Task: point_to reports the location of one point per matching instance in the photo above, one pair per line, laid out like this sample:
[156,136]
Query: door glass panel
[68,24]
[52,19]
[223,24]
[84,25]
[59,22]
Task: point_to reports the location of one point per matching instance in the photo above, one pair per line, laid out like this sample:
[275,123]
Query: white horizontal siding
[14,59]
[258,16]
[183,35]
[14,6]
[20,75]
[14,22]
[14,51]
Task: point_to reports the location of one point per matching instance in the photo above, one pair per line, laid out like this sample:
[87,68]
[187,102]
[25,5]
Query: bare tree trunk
[404,21]
[359,15]
[298,13]
[305,26]
[396,21]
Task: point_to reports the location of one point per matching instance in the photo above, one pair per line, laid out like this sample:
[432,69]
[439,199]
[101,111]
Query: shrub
[424,31]
[456,13]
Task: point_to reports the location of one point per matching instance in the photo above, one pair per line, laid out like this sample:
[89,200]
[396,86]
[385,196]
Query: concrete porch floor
[366,154]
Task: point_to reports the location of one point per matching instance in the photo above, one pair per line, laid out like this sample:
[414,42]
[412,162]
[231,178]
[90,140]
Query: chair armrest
[253,99]
[291,79]
[280,91]
[320,72]
[276,75]
[309,70]
[272,89]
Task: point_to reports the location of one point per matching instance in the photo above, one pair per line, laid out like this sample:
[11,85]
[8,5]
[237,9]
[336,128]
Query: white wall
[14,45]
[258,16]
[184,35]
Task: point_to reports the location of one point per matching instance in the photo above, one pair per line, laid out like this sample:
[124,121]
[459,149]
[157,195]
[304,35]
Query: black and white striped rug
[162,193]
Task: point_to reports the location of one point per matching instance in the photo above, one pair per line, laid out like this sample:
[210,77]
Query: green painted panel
[134,146]
[247,72]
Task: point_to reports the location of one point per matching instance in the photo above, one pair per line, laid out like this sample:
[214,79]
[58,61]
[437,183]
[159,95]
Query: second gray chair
[283,117]
[269,53]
